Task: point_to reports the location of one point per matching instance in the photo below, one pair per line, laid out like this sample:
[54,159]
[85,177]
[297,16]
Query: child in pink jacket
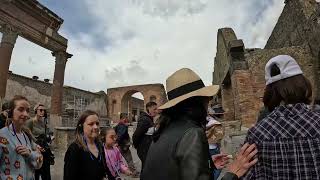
[114,160]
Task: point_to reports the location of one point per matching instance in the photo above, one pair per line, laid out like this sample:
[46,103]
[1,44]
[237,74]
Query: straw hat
[184,84]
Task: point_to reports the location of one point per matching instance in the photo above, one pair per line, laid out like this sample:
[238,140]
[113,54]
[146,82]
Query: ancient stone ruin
[119,99]
[36,23]
[240,70]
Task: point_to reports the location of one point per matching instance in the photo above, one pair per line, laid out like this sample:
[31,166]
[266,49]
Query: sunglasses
[41,110]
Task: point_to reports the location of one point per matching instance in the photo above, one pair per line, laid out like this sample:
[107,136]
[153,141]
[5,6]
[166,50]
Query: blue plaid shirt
[288,142]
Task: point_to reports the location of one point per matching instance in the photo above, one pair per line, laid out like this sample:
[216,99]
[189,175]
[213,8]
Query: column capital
[9,36]
[61,56]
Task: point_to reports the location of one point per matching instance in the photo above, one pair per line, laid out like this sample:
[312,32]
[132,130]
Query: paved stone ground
[57,169]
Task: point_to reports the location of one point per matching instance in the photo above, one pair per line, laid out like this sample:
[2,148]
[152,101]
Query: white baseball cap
[287,65]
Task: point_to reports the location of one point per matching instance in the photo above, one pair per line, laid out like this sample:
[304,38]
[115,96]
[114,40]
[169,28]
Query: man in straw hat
[180,147]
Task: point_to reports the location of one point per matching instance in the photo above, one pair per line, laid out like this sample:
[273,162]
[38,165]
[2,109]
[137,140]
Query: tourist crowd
[178,140]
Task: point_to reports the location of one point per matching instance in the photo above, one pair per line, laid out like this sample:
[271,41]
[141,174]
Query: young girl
[114,159]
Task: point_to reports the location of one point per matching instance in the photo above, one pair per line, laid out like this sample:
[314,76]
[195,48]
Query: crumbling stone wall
[240,71]
[299,25]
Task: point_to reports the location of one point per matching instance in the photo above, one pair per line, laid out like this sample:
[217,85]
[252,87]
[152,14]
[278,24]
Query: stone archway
[130,103]
[119,98]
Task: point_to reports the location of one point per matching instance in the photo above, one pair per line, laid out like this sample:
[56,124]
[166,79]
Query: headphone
[80,128]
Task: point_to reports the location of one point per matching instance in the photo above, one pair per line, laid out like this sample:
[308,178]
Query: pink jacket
[115,161]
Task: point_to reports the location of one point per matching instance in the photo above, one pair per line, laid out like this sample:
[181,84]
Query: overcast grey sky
[128,42]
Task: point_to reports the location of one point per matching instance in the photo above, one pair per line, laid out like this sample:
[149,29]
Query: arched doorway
[137,101]
[119,98]
[132,104]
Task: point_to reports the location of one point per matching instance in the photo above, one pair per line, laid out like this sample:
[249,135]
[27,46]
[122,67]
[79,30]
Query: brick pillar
[57,88]
[6,47]
[228,103]
[245,100]
[130,103]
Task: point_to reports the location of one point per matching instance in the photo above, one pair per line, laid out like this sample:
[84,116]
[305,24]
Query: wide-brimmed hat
[184,84]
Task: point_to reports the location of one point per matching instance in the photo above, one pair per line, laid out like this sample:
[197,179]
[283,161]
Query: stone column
[130,104]
[57,88]
[6,47]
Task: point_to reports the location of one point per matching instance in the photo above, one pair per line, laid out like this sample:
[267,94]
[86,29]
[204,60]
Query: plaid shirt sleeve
[251,172]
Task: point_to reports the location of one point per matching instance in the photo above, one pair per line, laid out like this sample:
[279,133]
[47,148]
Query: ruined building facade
[240,70]
[74,102]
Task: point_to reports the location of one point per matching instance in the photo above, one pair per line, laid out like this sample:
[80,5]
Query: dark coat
[123,135]
[180,153]
[141,141]
[3,119]
[82,165]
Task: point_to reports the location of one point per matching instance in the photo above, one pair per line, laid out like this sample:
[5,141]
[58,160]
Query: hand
[220,160]
[24,151]
[243,160]
[41,149]
[128,172]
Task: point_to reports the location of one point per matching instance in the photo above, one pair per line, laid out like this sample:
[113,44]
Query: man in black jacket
[142,137]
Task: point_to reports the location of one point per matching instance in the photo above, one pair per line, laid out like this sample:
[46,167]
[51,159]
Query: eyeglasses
[42,110]
[113,136]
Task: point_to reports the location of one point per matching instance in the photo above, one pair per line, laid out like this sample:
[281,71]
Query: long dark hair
[192,108]
[79,129]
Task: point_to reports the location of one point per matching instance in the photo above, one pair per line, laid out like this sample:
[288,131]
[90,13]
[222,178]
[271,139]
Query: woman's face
[91,127]
[40,111]
[111,137]
[21,112]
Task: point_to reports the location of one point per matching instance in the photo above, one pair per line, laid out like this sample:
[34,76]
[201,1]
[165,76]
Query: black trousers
[44,172]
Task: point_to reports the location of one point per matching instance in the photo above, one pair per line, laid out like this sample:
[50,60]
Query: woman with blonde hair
[19,156]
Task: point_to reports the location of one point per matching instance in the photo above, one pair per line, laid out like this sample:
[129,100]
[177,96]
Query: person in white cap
[288,138]
[180,148]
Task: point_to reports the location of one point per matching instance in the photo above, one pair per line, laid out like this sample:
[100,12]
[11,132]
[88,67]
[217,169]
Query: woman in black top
[84,159]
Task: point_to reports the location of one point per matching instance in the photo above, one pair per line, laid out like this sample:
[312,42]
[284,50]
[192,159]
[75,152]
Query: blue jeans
[216,172]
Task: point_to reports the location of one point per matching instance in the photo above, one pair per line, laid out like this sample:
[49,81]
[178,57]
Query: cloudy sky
[128,42]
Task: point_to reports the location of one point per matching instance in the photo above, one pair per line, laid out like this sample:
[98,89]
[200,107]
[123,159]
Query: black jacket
[82,165]
[180,153]
[123,135]
[141,141]
[3,119]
